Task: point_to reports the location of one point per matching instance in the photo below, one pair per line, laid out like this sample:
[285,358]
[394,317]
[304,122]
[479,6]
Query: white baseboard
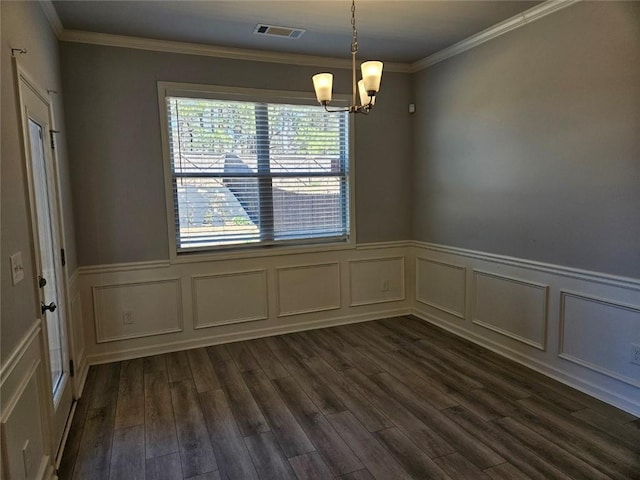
[237,337]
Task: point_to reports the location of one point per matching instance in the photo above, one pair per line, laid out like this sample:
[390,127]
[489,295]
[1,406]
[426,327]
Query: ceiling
[398,31]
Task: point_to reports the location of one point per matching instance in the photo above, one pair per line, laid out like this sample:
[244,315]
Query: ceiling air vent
[274,31]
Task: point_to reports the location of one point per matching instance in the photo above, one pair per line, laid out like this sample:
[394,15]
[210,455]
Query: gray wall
[25,26]
[111,107]
[529,145]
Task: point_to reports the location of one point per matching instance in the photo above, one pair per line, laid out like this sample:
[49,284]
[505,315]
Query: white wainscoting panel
[308,288]
[599,334]
[441,285]
[22,421]
[227,298]
[512,307]
[155,306]
[376,280]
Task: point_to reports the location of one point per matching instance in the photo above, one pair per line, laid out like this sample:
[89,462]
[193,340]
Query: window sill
[258,252]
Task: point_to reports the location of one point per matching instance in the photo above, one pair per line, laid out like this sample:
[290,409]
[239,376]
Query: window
[247,172]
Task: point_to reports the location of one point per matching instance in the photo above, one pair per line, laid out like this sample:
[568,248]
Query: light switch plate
[17,269]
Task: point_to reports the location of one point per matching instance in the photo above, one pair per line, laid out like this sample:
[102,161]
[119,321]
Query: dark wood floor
[390,399]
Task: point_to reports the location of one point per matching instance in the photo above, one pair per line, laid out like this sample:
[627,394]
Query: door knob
[42,282]
[51,307]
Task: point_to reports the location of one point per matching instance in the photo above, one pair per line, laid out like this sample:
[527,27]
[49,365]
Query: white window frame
[217,92]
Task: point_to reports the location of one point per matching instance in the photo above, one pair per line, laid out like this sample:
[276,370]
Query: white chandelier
[368,87]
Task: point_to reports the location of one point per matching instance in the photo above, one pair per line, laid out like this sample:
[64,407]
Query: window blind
[257,173]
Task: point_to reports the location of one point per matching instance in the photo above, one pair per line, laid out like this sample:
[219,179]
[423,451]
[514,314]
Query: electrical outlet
[17,269]
[127,317]
[385,285]
[635,354]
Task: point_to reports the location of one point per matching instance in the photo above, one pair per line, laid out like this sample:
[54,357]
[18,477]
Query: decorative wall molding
[435,303]
[634,310]
[234,309]
[517,21]
[18,352]
[569,272]
[508,308]
[304,288]
[24,408]
[375,293]
[151,306]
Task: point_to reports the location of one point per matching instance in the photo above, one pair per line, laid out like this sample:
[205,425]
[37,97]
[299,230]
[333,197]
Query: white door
[43,194]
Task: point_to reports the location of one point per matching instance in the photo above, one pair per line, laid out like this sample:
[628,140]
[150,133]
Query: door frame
[23,78]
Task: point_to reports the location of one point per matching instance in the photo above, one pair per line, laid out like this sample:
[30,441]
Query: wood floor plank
[486,377]
[349,355]
[325,399]
[207,476]
[365,333]
[245,410]
[483,403]
[589,434]
[338,456]
[166,467]
[506,446]
[367,414]
[565,437]
[622,433]
[359,475]
[130,406]
[286,429]
[422,387]
[268,458]
[204,376]
[422,435]
[160,428]
[155,364]
[68,461]
[105,386]
[505,471]
[219,353]
[269,363]
[229,448]
[310,466]
[451,377]
[559,457]
[478,453]
[409,456]
[458,467]
[240,353]
[196,453]
[298,345]
[368,450]
[127,454]
[94,455]
[178,367]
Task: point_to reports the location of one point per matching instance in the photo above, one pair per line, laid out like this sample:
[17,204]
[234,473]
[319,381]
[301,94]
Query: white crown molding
[52,16]
[95,38]
[517,21]
[186,48]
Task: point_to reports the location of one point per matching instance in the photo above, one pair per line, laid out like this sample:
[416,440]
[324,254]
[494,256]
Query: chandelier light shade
[368,87]
[323,83]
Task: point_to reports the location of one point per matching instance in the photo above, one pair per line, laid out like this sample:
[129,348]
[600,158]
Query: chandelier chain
[354,40]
